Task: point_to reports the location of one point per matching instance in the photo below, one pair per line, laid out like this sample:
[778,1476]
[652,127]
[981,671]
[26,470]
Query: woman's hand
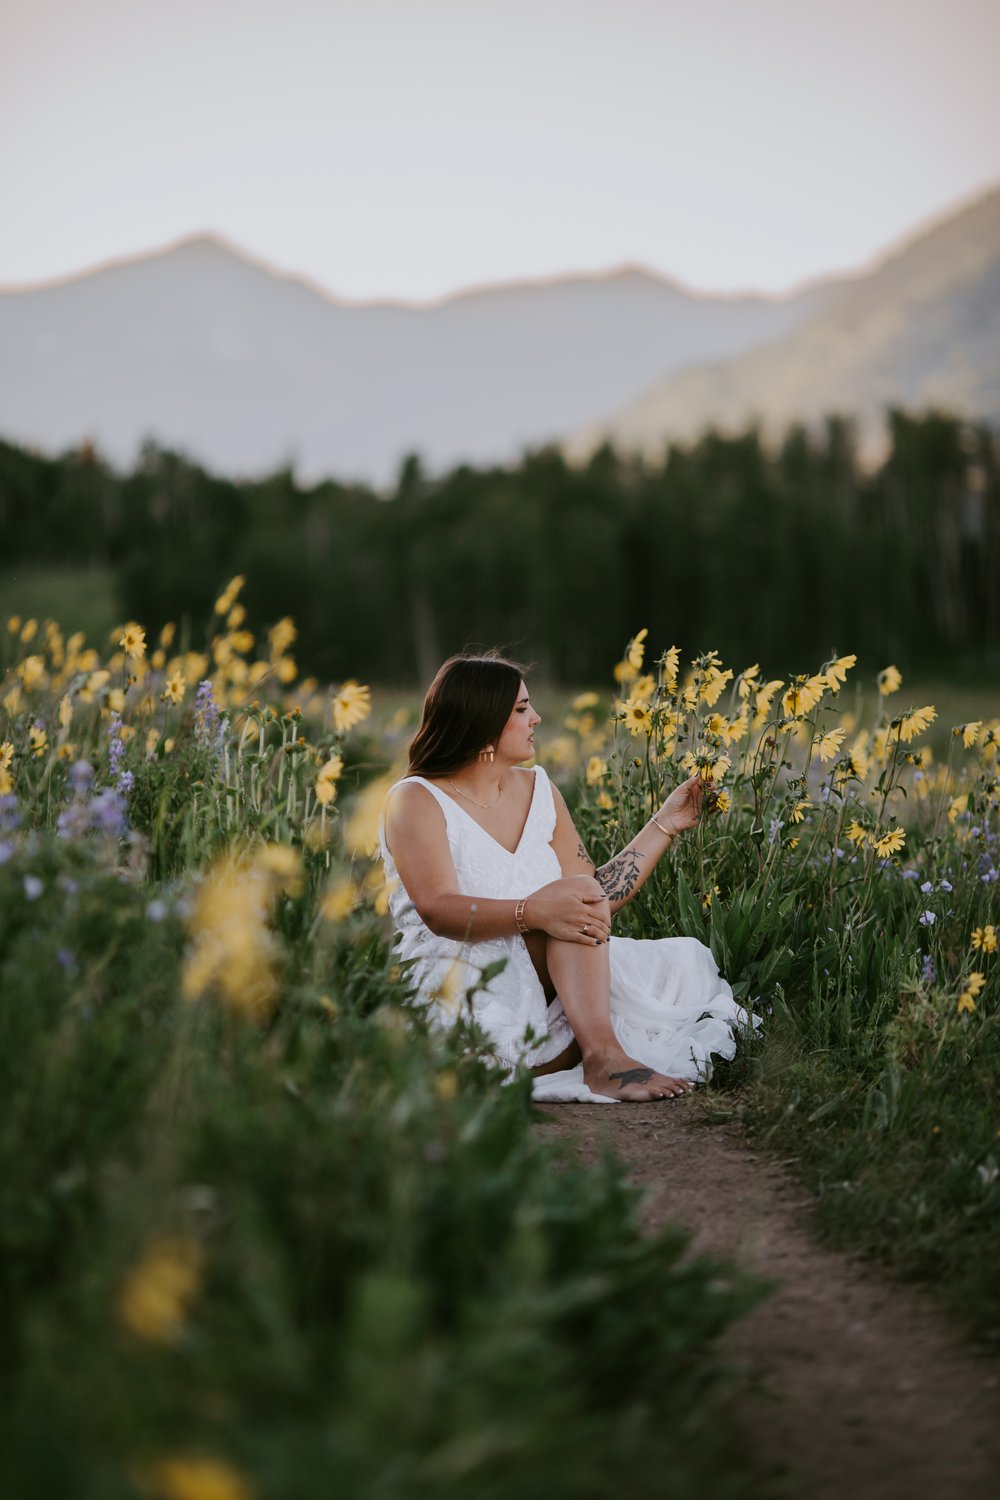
[682,808]
[574,909]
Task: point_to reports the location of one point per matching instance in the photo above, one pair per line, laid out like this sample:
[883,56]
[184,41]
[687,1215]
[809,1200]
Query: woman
[484,864]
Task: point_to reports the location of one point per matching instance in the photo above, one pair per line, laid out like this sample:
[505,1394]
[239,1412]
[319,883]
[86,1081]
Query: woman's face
[516,742]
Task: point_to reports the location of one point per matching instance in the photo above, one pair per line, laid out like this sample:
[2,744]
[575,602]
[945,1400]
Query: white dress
[670,1008]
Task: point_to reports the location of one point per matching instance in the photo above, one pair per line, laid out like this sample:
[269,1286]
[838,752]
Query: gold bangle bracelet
[663,830]
[522,925]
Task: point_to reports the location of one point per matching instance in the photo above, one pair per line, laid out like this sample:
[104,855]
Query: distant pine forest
[786,554]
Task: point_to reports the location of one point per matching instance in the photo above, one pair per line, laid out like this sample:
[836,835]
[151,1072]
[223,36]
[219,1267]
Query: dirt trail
[869,1392]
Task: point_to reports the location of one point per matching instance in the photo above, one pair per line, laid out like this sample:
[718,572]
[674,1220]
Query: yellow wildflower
[584,700]
[174,688]
[889,843]
[958,806]
[828,744]
[837,671]
[33,674]
[338,900]
[644,686]
[227,598]
[235,617]
[636,650]
[713,681]
[709,897]
[596,771]
[286,669]
[762,701]
[133,640]
[985,938]
[157,1293]
[14,624]
[890,680]
[723,801]
[637,716]
[233,949]
[283,864]
[746,682]
[6,755]
[857,832]
[193,1477]
[969,732]
[281,636]
[799,811]
[670,660]
[29,631]
[38,740]
[973,985]
[326,781]
[916,722]
[116,700]
[803,693]
[167,635]
[361,830]
[604,801]
[351,706]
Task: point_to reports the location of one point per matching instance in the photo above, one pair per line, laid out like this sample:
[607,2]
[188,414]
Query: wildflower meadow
[266,1233]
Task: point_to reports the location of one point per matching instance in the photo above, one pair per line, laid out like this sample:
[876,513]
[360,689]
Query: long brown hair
[466,709]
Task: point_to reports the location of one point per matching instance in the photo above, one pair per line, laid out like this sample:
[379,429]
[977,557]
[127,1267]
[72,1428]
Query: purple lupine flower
[928,918]
[81,777]
[156,911]
[928,971]
[208,722]
[116,745]
[6,850]
[910,875]
[927,887]
[10,818]
[945,885]
[107,813]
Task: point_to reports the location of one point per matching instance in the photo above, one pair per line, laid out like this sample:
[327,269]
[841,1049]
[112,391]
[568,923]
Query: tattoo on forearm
[619,876]
[632,1075]
[581,850]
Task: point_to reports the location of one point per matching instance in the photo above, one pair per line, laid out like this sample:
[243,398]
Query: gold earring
[486,755]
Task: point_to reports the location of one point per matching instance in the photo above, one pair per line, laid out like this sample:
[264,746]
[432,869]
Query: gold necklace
[475,802]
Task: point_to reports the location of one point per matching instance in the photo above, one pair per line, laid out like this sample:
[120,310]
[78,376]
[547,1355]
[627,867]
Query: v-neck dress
[670,1008]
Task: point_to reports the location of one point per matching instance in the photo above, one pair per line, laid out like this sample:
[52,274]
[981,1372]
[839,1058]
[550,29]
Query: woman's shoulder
[413,796]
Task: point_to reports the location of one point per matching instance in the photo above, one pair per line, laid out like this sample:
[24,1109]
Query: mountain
[922,329]
[206,350]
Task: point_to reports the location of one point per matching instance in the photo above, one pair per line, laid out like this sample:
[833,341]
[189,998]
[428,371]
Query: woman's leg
[580,975]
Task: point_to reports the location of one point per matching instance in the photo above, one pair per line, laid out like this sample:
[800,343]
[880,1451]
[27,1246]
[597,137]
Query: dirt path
[871,1394]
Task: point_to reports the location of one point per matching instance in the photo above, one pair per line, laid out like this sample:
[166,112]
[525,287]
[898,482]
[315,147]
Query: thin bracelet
[522,925]
[660,826]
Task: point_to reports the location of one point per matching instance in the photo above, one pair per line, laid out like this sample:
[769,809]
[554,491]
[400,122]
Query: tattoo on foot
[618,877]
[632,1075]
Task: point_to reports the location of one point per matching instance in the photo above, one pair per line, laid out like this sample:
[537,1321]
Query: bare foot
[621,1077]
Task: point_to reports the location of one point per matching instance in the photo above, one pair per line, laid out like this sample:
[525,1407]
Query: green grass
[79,599]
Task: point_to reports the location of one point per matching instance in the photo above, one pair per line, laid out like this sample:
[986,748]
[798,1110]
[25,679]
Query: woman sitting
[484,864]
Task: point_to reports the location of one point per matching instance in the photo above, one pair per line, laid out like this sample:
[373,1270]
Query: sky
[405,149]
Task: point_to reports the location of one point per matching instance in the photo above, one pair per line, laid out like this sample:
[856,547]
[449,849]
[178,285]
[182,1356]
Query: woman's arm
[629,870]
[417,839]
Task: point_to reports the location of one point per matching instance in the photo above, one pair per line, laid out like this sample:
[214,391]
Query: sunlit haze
[409,148]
